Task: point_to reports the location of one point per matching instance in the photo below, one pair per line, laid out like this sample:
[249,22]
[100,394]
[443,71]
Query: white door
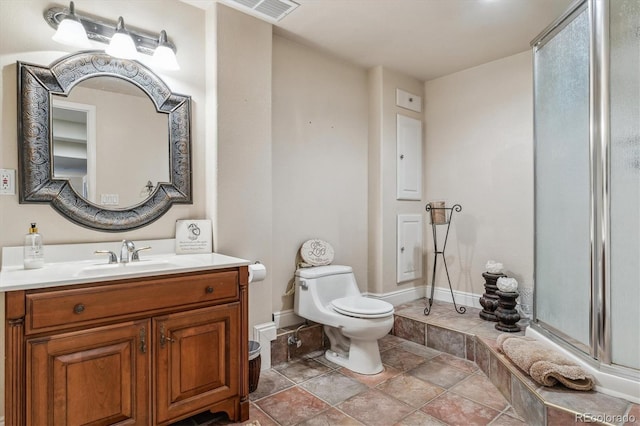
[409,158]
[409,265]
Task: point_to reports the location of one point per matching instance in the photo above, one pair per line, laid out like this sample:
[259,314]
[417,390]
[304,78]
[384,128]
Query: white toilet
[329,295]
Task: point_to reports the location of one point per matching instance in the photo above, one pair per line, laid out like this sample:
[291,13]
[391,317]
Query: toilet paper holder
[257,272]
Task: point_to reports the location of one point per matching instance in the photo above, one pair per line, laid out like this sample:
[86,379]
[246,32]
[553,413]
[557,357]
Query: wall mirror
[76,127]
[103,140]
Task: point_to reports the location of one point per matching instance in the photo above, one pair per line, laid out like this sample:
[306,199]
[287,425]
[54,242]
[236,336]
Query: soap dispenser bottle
[33,250]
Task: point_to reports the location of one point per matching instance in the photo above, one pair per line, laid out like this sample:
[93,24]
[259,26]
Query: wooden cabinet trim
[14,386]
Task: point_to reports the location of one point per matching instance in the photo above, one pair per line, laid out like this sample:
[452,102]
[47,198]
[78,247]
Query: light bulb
[122,45]
[71,32]
[164,56]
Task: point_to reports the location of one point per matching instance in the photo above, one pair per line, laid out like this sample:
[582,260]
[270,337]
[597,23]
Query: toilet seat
[362,307]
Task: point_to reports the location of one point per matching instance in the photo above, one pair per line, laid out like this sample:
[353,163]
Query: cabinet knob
[209,290]
[79,308]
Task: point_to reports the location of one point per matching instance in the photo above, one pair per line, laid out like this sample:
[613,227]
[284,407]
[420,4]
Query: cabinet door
[409,260]
[196,359]
[99,376]
[409,161]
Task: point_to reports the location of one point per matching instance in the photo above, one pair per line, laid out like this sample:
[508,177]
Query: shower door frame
[598,353]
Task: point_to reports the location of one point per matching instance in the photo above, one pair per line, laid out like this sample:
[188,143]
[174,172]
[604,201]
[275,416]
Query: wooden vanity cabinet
[187,376]
[173,346]
[97,376]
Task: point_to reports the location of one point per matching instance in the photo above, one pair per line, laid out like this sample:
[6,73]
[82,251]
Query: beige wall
[244,190]
[319,160]
[479,130]
[383,205]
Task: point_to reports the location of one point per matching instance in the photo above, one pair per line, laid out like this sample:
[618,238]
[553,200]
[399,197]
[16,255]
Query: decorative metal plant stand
[447,218]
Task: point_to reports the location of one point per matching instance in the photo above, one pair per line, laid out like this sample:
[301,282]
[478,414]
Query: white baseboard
[462,297]
[264,334]
[401,296]
[442,294]
[288,318]
[1,421]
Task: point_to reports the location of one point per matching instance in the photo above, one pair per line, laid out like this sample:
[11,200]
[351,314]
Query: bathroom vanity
[142,345]
[97,340]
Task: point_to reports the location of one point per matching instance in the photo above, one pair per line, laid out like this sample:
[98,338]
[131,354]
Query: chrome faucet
[127,248]
[128,253]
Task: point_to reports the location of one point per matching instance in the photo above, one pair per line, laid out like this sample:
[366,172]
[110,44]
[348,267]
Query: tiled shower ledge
[469,337]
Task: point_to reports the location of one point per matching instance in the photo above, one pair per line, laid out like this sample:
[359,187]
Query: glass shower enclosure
[587,183]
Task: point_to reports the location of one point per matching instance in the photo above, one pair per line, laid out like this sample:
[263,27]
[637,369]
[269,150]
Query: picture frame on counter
[194,236]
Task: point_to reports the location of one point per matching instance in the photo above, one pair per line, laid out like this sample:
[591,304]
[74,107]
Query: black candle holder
[489,299]
[506,312]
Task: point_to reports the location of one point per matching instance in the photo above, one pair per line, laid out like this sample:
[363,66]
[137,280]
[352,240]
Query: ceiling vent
[271,10]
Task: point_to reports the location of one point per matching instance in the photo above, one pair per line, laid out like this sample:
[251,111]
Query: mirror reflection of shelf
[73,144]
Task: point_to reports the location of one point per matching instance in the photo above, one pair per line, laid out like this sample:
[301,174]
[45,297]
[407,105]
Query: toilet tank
[328,283]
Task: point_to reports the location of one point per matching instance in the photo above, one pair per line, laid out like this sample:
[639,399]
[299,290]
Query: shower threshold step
[467,336]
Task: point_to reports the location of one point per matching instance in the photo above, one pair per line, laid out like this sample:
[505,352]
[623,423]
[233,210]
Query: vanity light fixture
[105,31]
[70,31]
[164,56]
[122,45]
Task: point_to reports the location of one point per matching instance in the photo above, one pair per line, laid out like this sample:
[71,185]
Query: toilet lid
[362,307]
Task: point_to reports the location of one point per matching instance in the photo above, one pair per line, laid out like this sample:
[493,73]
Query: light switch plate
[109,199]
[7,182]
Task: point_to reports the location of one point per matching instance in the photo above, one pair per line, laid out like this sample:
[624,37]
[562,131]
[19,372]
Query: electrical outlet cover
[7,182]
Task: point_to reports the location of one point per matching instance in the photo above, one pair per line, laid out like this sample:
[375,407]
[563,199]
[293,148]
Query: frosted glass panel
[625,181]
[562,270]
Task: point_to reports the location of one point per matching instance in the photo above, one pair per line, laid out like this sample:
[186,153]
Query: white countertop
[77,264]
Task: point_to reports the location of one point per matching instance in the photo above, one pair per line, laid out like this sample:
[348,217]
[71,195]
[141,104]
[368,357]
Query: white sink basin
[126,268]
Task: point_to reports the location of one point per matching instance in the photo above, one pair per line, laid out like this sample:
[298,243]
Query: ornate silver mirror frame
[37,184]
